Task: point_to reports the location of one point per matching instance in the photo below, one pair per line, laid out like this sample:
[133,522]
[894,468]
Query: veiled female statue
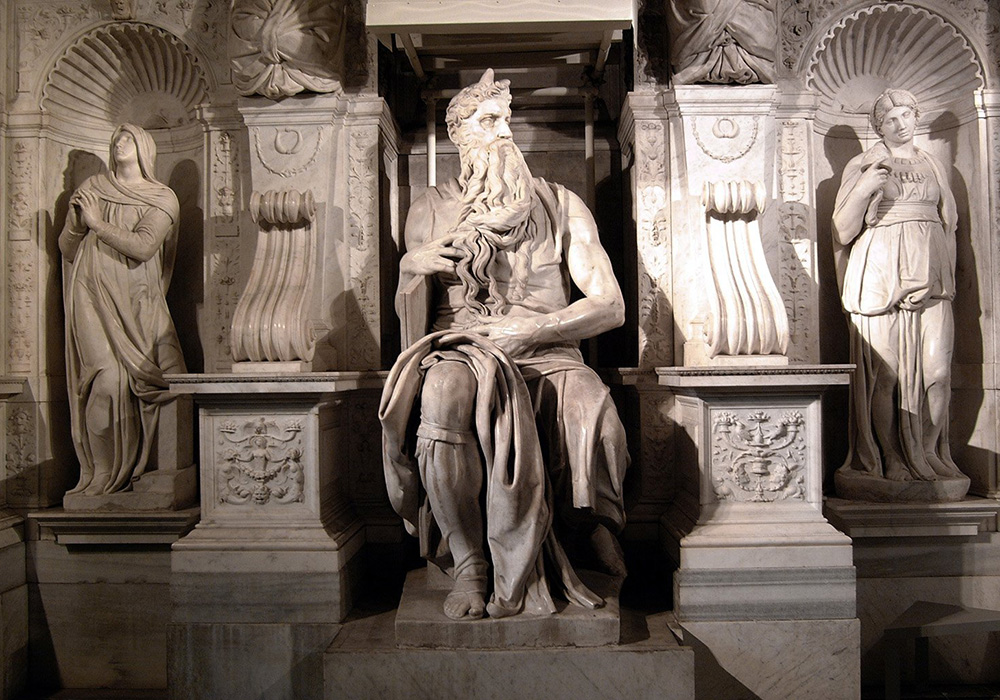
[897,216]
[119,238]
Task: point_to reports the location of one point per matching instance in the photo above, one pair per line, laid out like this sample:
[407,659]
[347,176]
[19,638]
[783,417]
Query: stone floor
[942,692]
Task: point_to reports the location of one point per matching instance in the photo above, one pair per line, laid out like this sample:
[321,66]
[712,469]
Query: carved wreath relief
[260,462]
[755,459]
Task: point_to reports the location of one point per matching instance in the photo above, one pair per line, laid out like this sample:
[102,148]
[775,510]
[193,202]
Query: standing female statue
[120,236]
[897,215]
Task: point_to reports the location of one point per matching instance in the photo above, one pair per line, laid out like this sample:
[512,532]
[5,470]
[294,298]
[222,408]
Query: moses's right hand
[432,257]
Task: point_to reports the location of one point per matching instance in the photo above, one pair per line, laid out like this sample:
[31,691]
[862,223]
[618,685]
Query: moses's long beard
[498,192]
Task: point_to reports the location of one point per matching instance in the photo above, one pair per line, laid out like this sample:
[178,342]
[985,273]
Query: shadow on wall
[840,145]
[187,289]
[968,394]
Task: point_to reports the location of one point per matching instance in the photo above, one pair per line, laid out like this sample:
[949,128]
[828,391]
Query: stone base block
[788,564]
[239,661]
[421,622]
[777,659]
[220,575]
[854,485]
[698,353]
[276,367]
[162,489]
[364,662]
[13,608]
[966,518]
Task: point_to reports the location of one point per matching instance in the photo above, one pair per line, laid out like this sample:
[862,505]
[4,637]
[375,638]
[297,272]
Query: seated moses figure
[503,451]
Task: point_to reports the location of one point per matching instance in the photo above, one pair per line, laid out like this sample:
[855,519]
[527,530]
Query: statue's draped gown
[901,266]
[119,335]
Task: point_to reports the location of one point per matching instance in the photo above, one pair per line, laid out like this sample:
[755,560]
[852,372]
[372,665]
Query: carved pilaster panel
[983,18]
[363,326]
[224,276]
[225,173]
[20,219]
[41,27]
[798,277]
[654,245]
[367,478]
[799,19]
[22,306]
[21,452]
[656,451]
[758,456]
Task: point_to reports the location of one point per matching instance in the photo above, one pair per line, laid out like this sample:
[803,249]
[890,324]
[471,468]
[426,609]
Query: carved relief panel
[758,456]
[259,461]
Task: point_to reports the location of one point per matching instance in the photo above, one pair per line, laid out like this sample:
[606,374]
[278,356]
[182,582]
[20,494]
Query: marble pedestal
[421,622]
[99,586]
[364,662]
[756,556]
[13,607]
[260,586]
[942,554]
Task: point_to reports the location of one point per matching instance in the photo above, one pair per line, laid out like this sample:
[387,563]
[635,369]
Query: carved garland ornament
[754,460]
[725,129]
[263,463]
[287,145]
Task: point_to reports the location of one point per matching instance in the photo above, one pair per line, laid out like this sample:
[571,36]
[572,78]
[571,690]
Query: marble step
[365,662]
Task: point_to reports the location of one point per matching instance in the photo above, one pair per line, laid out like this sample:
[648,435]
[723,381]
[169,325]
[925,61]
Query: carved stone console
[273,563]
[760,568]
[270,328]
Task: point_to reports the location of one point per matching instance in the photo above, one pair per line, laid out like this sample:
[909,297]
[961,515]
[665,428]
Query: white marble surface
[964,519]
[13,607]
[776,660]
[363,662]
[963,658]
[421,622]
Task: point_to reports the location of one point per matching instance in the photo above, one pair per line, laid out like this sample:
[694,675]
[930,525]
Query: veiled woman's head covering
[892,97]
[145,148]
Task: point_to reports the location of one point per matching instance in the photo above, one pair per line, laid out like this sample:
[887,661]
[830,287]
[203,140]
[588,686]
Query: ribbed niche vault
[892,45]
[126,72]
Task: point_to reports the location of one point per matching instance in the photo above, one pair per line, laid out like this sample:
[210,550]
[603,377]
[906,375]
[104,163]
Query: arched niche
[140,74]
[126,72]
[861,54]
[893,45]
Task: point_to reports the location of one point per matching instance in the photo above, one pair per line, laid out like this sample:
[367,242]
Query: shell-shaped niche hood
[896,46]
[126,72]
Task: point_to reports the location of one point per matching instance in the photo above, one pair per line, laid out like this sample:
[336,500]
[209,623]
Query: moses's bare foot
[608,554]
[467,600]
